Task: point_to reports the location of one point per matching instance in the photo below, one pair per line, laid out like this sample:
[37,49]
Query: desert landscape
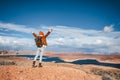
[18,68]
[73,56]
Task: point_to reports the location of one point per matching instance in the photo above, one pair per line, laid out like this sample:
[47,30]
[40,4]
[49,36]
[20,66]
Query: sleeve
[47,34]
[34,34]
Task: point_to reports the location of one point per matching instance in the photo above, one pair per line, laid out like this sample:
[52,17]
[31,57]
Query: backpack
[38,41]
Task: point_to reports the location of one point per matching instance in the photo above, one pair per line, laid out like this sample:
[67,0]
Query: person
[41,44]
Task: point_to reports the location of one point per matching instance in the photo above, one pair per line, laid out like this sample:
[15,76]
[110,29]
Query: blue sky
[79,25]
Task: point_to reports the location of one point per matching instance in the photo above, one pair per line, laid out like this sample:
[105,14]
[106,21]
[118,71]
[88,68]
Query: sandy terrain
[12,68]
[22,70]
[45,73]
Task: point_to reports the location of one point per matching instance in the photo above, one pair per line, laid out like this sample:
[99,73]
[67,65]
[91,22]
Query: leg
[37,53]
[41,54]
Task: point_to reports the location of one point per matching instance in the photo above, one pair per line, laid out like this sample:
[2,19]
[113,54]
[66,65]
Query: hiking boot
[40,65]
[33,65]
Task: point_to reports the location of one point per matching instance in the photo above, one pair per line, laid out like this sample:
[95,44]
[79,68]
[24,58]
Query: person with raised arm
[41,44]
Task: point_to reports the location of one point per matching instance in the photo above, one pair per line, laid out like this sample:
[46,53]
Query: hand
[32,32]
[51,29]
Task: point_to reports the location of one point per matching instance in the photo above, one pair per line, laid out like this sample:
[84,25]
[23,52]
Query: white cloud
[94,40]
[16,43]
[108,28]
[64,38]
[20,28]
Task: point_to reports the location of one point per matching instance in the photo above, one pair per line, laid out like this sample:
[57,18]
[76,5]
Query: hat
[41,33]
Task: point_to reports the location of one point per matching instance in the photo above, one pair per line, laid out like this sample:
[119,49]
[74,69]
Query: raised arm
[50,30]
[34,34]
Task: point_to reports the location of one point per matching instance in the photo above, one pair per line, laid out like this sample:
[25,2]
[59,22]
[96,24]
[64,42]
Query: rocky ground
[12,68]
